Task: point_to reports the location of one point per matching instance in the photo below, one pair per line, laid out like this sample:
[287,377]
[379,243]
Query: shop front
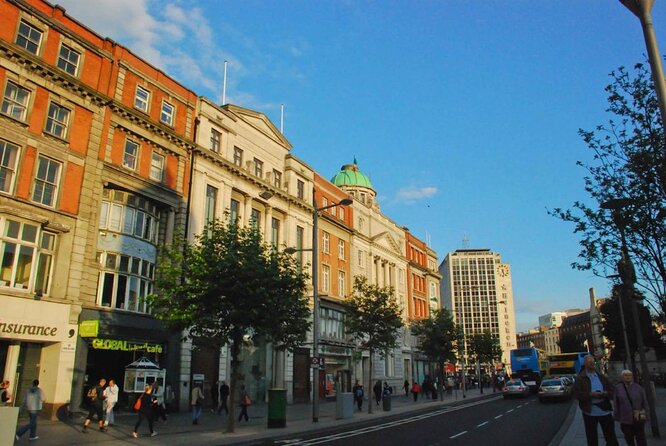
[37,341]
[110,341]
[337,372]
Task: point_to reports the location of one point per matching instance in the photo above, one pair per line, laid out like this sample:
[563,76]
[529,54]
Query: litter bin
[277,408]
[386,403]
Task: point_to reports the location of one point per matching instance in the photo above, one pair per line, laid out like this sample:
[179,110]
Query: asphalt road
[491,422]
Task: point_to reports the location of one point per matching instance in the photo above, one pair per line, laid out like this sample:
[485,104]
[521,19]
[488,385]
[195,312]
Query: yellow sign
[89,329]
[126,346]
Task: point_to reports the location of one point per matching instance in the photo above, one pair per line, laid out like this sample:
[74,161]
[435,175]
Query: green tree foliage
[438,337]
[629,162]
[373,320]
[611,326]
[229,285]
[486,348]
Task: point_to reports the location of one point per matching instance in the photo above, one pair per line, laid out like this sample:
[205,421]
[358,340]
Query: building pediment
[260,122]
[387,241]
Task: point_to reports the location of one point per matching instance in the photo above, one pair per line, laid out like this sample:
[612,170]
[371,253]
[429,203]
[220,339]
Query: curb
[566,425]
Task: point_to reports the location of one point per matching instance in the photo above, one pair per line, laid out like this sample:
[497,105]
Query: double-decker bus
[530,365]
[566,363]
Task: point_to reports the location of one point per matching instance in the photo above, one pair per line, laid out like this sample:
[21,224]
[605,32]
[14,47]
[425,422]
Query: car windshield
[551,382]
[514,383]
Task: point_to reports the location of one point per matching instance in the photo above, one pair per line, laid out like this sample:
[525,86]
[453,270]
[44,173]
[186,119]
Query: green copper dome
[349,175]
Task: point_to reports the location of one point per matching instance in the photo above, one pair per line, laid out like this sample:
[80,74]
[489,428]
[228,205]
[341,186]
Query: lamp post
[627,273]
[642,9]
[624,328]
[315,297]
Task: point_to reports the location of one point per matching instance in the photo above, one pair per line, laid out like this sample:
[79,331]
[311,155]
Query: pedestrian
[377,390]
[406,387]
[244,401]
[224,396]
[5,396]
[594,393]
[214,396]
[196,401]
[433,389]
[631,409]
[144,407]
[159,410]
[110,399]
[416,388]
[358,394]
[33,402]
[95,397]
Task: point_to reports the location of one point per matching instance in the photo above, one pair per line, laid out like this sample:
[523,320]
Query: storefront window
[27,256]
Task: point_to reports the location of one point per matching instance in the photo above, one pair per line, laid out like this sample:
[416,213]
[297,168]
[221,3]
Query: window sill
[15,120]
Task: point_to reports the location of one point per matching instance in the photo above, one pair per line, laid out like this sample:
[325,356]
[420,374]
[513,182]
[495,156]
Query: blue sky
[464,114]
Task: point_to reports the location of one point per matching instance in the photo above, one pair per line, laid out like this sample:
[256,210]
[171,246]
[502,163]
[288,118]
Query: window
[131,154]
[255,219]
[68,60]
[258,168]
[341,212]
[29,37]
[361,259]
[215,139]
[342,283]
[300,235]
[133,216]
[141,99]
[389,364]
[27,257]
[234,207]
[46,181]
[341,249]
[15,101]
[238,156]
[325,244]
[325,278]
[124,282]
[331,323]
[300,189]
[277,179]
[324,202]
[57,120]
[275,232]
[8,158]
[167,113]
[157,167]
[211,203]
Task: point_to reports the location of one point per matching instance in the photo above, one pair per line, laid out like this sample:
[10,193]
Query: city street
[485,422]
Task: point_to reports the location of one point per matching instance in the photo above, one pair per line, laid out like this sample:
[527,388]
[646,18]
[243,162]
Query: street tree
[438,339]
[373,320]
[486,348]
[629,161]
[229,287]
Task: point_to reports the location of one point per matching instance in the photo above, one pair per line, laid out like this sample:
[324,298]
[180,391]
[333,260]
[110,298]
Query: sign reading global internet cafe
[126,346]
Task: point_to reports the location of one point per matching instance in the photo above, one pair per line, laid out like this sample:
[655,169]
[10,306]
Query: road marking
[510,410]
[295,440]
[498,416]
[458,435]
[518,407]
[482,424]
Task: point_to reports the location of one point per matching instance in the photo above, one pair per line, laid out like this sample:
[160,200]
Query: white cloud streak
[411,194]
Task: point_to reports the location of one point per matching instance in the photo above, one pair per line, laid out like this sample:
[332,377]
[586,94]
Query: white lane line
[519,406]
[510,410]
[498,416]
[458,435]
[482,424]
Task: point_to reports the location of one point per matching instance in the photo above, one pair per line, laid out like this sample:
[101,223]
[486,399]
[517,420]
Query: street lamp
[627,273]
[315,296]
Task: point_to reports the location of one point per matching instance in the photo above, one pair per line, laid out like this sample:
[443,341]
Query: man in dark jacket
[594,393]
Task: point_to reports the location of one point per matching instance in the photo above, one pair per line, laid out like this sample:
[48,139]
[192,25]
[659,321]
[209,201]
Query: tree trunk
[371,393]
[236,344]
[442,384]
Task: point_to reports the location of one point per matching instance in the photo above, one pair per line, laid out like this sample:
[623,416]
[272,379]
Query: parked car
[515,387]
[554,389]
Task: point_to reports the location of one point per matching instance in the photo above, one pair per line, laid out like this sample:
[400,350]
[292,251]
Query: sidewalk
[573,433]
[179,429]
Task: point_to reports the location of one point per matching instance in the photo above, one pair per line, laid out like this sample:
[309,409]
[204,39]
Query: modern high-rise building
[476,288]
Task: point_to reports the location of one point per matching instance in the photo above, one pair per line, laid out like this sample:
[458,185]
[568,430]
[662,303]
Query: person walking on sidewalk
[224,397]
[416,388]
[406,387]
[33,402]
[358,395]
[196,401]
[594,393]
[110,399]
[145,410]
[95,406]
[5,396]
[377,390]
[158,408]
[631,409]
[244,401]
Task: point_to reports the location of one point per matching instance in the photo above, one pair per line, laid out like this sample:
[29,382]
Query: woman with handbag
[144,407]
[244,401]
[631,409]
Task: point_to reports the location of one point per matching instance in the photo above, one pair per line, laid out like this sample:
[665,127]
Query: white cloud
[411,194]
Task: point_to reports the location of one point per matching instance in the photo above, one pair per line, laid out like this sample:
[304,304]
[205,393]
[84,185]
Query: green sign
[88,329]
[126,346]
